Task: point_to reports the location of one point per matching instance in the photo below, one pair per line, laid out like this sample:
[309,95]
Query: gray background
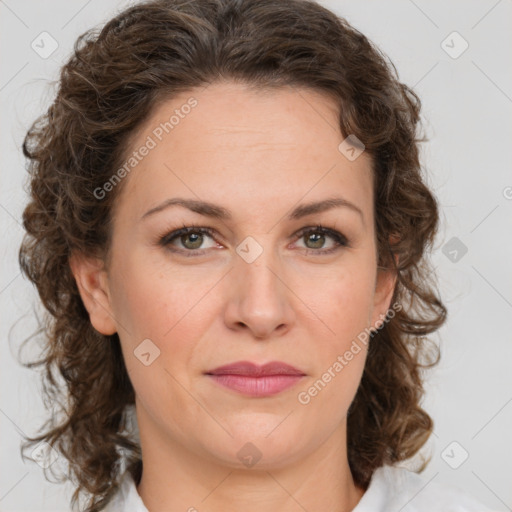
[467,106]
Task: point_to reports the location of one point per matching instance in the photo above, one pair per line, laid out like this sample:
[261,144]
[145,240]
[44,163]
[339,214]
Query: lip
[257,380]
[254,370]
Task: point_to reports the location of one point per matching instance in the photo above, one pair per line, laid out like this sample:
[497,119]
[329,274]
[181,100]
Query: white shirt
[391,489]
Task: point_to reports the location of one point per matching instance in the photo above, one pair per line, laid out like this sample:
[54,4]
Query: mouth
[257,380]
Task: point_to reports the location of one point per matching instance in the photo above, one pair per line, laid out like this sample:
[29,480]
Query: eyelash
[338,237]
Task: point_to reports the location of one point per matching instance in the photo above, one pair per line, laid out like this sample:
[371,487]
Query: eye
[187,240]
[315,239]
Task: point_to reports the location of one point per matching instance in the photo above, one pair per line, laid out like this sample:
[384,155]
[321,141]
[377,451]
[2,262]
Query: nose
[260,298]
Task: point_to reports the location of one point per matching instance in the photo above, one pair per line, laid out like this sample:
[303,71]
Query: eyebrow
[218,212]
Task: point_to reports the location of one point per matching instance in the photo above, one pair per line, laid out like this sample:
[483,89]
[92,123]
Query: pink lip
[254,380]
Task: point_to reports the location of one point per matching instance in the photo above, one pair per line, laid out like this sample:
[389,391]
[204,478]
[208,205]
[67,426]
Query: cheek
[170,308]
[342,305]
[151,300]
[159,308]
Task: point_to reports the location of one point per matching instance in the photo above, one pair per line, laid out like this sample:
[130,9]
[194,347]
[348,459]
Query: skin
[258,154]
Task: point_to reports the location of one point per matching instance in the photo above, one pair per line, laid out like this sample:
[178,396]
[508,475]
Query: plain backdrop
[467,106]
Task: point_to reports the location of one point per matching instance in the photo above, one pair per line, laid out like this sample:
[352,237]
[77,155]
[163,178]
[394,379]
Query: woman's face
[264,284]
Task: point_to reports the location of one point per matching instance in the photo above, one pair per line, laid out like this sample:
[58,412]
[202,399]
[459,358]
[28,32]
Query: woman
[229,227]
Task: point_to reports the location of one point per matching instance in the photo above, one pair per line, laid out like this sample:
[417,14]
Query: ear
[92,281]
[384,288]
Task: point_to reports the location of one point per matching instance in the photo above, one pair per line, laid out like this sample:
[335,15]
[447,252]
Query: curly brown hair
[110,85]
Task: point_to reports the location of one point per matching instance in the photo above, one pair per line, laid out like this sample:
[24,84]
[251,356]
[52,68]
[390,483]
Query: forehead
[249,148]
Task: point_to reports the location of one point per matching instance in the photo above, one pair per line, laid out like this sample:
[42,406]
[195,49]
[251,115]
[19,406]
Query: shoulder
[397,488]
[127,498]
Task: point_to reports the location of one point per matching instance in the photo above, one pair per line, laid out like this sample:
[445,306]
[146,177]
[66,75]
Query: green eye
[191,239]
[316,236]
